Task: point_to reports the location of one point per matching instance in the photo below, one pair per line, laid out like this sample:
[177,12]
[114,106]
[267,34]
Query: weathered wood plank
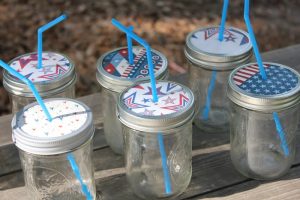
[286,188]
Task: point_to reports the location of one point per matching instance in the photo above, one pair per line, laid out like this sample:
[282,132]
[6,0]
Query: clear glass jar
[256,147]
[114,74]
[158,138]
[56,78]
[144,170]
[264,119]
[51,176]
[56,156]
[210,63]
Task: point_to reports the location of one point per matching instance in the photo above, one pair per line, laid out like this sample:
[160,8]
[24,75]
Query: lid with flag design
[115,73]
[71,127]
[57,74]
[280,90]
[174,108]
[204,48]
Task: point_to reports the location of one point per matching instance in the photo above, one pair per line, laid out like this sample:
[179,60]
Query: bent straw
[130,34]
[76,171]
[253,41]
[30,85]
[223,20]
[129,46]
[40,36]
[262,72]
[148,51]
[210,89]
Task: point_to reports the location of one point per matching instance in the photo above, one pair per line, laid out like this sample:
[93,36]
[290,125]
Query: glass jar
[264,119]
[56,78]
[56,156]
[210,63]
[114,74]
[158,138]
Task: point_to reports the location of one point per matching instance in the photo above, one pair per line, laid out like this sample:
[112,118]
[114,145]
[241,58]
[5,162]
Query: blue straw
[253,41]
[129,46]
[132,35]
[262,72]
[223,20]
[210,89]
[30,85]
[40,36]
[281,134]
[76,171]
[168,188]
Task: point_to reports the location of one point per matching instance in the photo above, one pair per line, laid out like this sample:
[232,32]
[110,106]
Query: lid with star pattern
[280,90]
[71,127]
[203,48]
[57,74]
[175,106]
[115,73]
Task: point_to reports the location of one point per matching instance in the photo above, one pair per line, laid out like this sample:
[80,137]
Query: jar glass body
[143,161]
[51,176]
[111,124]
[18,101]
[211,103]
[256,148]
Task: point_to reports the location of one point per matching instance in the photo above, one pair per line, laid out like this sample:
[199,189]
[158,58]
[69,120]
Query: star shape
[169,100]
[148,112]
[159,92]
[146,100]
[230,38]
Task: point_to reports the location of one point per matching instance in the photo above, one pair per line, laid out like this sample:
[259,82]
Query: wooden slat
[287,188]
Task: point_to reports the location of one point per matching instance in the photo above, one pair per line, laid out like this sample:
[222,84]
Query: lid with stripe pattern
[115,73]
[281,89]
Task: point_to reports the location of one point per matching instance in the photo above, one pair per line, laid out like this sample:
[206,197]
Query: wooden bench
[214,176]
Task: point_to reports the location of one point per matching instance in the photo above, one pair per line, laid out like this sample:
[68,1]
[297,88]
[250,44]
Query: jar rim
[118,84]
[216,61]
[57,85]
[259,102]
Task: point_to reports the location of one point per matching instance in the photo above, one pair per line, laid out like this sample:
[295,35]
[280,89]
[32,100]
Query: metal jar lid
[56,75]
[279,91]
[175,106]
[72,126]
[115,73]
[204,49]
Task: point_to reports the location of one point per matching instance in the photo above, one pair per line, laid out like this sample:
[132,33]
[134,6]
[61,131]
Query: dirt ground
[88,33]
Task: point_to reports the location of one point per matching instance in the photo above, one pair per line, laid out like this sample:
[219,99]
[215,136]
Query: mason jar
[158,138]
[210,63]
[264,119]
[56,156]
[56,78]
[114,74]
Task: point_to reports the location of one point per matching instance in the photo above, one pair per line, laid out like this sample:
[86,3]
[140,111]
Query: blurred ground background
[88,32]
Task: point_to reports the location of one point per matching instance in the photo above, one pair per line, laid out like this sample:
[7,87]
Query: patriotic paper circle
[280,80]
[235,42]
[117,64]
[172,98]
[68,117]
[54,66]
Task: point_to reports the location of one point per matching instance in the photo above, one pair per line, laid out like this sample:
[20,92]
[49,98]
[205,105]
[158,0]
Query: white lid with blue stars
[71,127]
[115,72]
[203,47]
[175,106]
[280,90]
[56,73]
